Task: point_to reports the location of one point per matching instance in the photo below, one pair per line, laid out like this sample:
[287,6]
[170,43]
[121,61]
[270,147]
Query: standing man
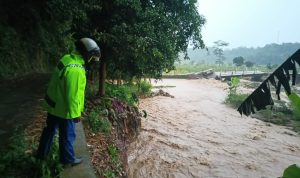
[64,100]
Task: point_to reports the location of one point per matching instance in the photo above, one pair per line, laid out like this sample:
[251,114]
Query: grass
[282,113]
[191,68]
[252,85]
[235,99]
[109,174]
[97,119]
[144,87]
[116,100]
[19,160]
[113,153]
[98,123]
[127,93]
[272,116]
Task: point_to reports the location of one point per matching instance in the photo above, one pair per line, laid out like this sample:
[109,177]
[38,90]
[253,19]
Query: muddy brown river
[196,135]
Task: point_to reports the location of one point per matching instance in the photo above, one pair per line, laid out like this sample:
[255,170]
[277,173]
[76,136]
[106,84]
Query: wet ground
[196,135]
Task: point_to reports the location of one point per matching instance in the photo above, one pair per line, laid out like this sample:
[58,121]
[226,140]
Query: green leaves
[19,160]
[292,171]
[295,103]
[143,38]
[144,87]
[238,61]
[113,153]
[218,51]
[138,38]
[235,81]
[98,123]
[233,98]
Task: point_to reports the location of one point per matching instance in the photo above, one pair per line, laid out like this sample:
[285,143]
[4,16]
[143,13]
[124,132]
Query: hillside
[270,53]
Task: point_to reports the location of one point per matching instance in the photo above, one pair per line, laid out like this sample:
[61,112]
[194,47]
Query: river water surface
[196,135]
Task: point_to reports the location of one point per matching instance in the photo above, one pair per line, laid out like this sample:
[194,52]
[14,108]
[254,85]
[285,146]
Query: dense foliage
[238,61]
[138,38]
[234,98]
[31,36]
[18,160]
[249,64]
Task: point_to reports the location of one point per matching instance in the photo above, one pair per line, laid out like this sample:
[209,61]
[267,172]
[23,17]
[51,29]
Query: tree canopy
[138,37]
[238,61]
[219,52]
[249,64]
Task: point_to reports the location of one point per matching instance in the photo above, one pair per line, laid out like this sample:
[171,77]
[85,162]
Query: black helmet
[88,48]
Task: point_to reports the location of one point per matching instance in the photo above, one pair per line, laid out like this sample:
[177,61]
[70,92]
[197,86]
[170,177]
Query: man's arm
[74,81]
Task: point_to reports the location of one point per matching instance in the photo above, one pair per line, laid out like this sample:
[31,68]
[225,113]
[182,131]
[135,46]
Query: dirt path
[196,135]
[20,100]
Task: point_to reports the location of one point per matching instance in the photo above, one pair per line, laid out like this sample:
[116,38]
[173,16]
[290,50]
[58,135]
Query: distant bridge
[227,75]
[224,75]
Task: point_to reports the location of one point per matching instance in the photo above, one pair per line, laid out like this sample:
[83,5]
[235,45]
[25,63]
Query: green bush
[126,93]
[272,116]
[109,174]
[233,84]
[37,51]
[18,160]
[113,153]
[51,167]
[292,171]
[145,87]
[235,99]
[97,123]
[117,165]
[295,108]
[296,115]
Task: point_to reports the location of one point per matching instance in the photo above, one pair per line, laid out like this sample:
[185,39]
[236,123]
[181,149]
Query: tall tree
[143,38]
[249,64]
[137,37]
[219,52]
[238,61]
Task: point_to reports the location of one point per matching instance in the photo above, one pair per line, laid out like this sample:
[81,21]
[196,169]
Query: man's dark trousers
[66,138]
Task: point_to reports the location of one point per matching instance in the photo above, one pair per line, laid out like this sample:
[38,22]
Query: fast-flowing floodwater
[196,135]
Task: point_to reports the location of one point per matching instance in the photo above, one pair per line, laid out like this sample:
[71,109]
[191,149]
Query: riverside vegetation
[19,160]
[282,113]
[111,122]
[107,135]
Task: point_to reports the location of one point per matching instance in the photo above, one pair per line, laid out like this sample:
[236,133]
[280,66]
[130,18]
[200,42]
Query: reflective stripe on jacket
[65,93]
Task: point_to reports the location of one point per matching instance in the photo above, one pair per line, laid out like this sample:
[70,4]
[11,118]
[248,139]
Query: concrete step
[85,169]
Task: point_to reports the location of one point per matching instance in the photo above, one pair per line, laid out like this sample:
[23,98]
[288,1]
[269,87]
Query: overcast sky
[250,23]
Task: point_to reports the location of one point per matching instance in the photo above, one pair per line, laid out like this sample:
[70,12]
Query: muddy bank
[108,148]
[196,135]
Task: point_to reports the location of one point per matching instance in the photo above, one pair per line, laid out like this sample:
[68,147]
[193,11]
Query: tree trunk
[119,82]
[102,77]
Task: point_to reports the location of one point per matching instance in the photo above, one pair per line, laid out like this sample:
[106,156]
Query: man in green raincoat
[64,100]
